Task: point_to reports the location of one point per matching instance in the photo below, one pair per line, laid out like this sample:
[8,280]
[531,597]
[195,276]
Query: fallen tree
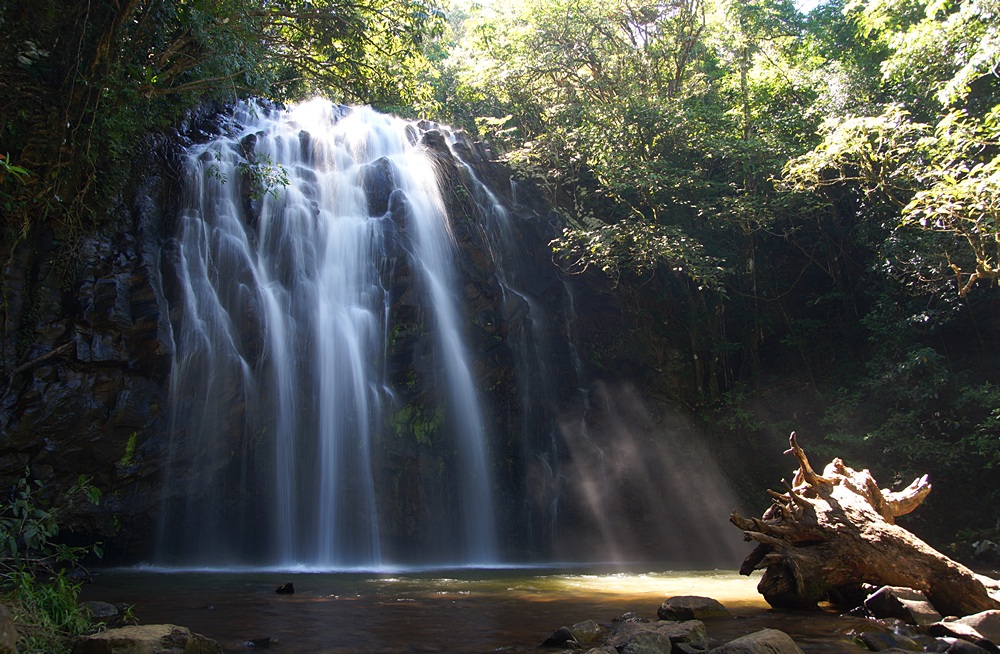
[828,534]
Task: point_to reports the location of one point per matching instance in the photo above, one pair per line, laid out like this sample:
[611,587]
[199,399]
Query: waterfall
[281,389]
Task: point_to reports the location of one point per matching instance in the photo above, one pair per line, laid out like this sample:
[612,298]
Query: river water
[439,611]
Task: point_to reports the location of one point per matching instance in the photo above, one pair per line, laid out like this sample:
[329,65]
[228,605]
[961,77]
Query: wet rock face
[85,357]
[377,180]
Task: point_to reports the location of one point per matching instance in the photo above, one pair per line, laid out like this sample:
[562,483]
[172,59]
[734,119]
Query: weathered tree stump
[828,534]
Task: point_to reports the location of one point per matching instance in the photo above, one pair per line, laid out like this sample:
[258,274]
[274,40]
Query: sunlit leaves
[936,48]
[637,246]
[884,155]
[943,179]
[962,197]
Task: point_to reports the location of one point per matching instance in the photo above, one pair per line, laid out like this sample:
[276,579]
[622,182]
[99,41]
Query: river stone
[692,607]
[648,642]
[100,611]
[147,639]
[766,641]
[691,632]
[986,624]
[903,603]
[880,641]
[8,634]
[959,646]
[587,633]
[979,628]
[561,637]
[965,647]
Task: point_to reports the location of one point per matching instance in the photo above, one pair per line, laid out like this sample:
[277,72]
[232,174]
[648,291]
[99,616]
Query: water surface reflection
[439,611]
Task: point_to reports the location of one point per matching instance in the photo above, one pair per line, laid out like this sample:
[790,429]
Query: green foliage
[128,457]
[640,247]
[34,564]
[9,169]
[263,176]
[881,155]
[959,198]
[29,525]
[46,613]
[938,172]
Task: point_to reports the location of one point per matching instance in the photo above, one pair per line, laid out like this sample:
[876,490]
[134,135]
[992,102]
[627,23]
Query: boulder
[766,641]
[957,646]
[648,642]
[147,639]
[587,633]
[377,180]
[691,607]
[691,632]
[881,641]
[561,637]
[986,624]
[101,611]
[983,629]
[903,603]
[986,551]
[8,634]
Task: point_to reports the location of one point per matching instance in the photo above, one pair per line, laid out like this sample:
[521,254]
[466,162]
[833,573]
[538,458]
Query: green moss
[419,423]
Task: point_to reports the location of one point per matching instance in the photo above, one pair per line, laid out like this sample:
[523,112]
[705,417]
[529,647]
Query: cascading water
[284,327]
[376,364]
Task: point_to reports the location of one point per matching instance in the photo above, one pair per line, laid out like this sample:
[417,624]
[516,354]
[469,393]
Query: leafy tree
[931,152]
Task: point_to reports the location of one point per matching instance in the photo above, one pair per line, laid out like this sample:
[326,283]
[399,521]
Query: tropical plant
[37,571]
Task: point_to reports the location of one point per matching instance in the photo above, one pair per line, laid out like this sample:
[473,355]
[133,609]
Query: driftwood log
[828,534]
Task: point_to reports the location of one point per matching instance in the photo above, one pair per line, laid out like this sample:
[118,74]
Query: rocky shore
[895,620]
[899,620]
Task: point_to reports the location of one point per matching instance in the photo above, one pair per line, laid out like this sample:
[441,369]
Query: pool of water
[438,611]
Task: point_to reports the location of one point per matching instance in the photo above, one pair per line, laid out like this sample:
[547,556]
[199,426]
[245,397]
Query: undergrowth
[37,572]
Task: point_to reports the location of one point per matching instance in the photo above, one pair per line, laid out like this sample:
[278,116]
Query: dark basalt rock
[85,355]
[378,182]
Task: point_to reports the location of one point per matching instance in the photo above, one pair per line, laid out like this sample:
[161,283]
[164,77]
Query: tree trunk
[828,534]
